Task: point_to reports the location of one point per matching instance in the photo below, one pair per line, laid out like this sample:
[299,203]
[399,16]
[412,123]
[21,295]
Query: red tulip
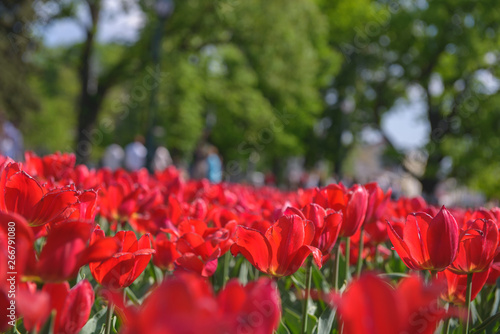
[480,213]
[282,249]
[477,247]
[25,196]
[15,232]
[327,225]
[198,255]
[420,305]
[56,166]
[200,246]
[371,306]
[426,243]
[72,306]
[494,273]
[352,203]
[127,264]
[254,308]
[401,208]
[456,285]
[166,252]
[377,202]
[66,251]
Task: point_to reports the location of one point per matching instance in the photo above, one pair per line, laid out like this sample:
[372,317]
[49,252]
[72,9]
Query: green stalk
[109,318]
[360,251]
[446,326]
[347,255]
[153,272]
[130,294]
[467,301]
[494,309]
[336,266]
[225,272]
[308,289]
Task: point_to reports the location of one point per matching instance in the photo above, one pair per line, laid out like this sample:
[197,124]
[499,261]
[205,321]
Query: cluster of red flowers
[67,219]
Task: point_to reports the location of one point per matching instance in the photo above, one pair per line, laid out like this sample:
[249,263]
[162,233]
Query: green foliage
[55,85]
[16,46]
[255,85]
[230,75]
[390,47]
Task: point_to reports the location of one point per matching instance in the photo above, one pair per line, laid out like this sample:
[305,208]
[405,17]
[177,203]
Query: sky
[405,124]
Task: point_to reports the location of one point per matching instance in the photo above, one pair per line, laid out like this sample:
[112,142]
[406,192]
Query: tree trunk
[90,101]
[430,179]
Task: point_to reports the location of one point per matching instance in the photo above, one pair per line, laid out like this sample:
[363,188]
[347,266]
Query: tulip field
[95,251]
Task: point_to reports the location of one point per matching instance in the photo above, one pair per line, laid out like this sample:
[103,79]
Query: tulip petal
[100,250]
[442,239]
[401,248]
[22,192]
[300,257]
[285,237]
[415,237]
[254,247]
[59,257]
[76,309]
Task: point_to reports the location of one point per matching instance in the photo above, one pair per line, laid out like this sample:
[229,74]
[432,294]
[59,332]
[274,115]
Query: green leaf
[311,323]
[487,322]
[96,323]
[321,283]
[282,329]
[325,322]
[299,278]
[394,275]
[80,276]
[243,275]
[292,320]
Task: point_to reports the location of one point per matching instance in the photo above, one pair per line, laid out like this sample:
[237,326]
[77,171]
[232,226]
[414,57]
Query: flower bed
[95,251]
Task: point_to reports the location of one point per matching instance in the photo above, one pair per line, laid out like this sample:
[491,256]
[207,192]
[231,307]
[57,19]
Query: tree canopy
[264,80]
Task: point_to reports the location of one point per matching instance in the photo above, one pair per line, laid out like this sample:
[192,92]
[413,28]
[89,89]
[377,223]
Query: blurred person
[313,179]
[199,168]
[161,159]
[214,164]
[113,157]
[135,154]
[11,140]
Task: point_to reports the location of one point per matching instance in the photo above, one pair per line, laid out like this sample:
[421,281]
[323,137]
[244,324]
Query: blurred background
[285,92]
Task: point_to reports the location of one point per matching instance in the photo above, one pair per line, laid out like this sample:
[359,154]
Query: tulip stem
[308,289]
[360,251]
[153,272]
[467,301]
[336,266]
[446,326]
[225,271]
[347,255]
[377,255]
[109,318]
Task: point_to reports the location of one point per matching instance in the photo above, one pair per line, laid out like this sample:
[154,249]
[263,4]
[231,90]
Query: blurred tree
[55,85]
[16,42]
[335,132]
[246,82]
[435,50]
[96,82]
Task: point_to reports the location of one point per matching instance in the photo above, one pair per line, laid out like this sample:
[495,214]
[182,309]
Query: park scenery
[249,166]
[95,251]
